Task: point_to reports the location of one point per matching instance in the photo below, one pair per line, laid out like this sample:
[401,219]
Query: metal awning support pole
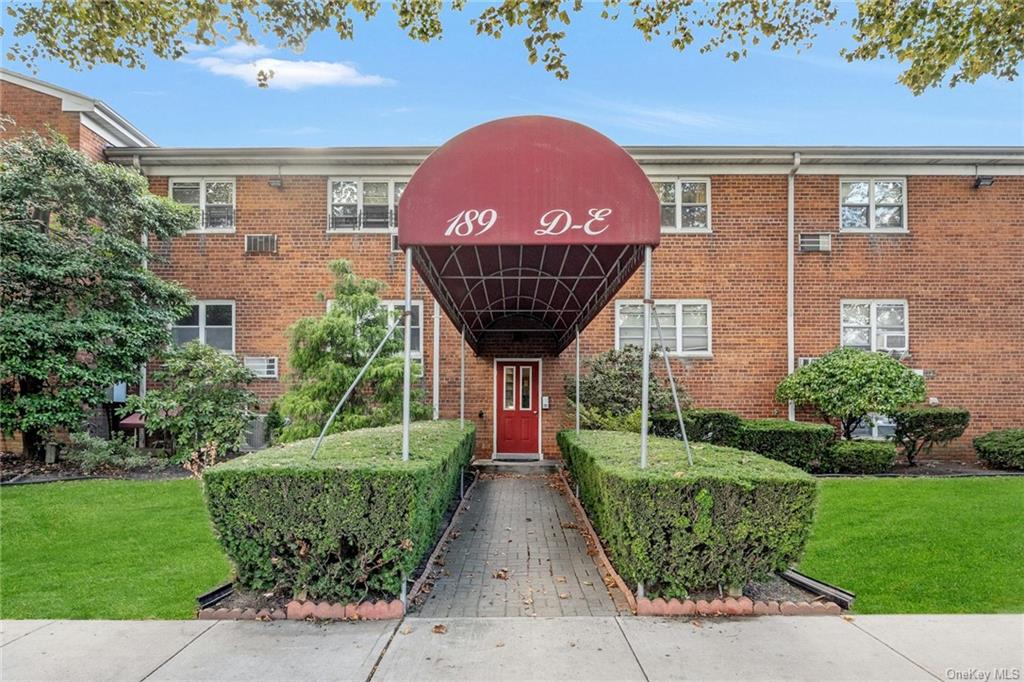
[462,381]
[645,385]
[672,384]
[577,380]
[435,381]
[352,386]
[407,373]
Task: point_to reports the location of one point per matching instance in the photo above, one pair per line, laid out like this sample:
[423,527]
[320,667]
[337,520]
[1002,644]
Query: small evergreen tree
[327,352]
[78,311]
[849,384]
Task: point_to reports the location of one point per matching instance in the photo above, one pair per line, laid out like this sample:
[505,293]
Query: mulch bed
[18,469]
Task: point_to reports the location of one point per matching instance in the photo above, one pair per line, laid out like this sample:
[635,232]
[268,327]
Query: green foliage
[731,518]
[610,391]
[848,384]
[119,453]
[350,524]
[78,312]
[918,429]
[201,401]
[965,38]
[1003,449]
[858,457]
[799,444]
[326,354]
[718,427]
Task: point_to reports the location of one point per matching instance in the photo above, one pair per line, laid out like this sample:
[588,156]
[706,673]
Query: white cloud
[237,61]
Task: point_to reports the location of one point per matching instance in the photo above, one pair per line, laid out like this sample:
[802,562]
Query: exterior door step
[498,466]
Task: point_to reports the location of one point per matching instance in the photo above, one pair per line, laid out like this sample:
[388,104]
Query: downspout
[791,274]
[143,371]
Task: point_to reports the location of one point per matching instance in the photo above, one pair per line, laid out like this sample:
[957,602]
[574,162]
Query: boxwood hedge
[731,518]
[345,526]
[1003,449]
[801,444]
[718,427]
[858,457]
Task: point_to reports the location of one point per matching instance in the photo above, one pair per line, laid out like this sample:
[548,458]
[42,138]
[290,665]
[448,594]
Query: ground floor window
[209,322]
[416,340]
[876,427]
[685,325]
[877,325]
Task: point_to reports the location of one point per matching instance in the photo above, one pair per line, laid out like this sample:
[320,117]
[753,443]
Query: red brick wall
[35,111]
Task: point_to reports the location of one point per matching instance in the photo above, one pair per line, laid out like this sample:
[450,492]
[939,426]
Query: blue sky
[382,88]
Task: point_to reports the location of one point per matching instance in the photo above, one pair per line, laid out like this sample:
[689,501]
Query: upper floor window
[685,204]
[685,325]
[364,204]
[214,197]
[877,204]
[209,322]
[875,325]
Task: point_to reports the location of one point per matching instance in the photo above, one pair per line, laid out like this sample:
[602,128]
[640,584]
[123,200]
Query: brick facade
[960,267]
[33,111]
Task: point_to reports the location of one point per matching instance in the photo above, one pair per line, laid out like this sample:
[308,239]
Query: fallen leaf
[501,574]
[589,583]
[499,644]
[569,524]
[407,630]
[563,595]
[440,629]
[559,578]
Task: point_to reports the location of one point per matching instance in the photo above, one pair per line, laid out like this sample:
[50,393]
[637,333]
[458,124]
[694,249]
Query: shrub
[1003,449]
[702,425]
[848,384]
[918,429]
[731,518]
[201,402]
[859,457]
[610,388]
[351,523]
[800,444]
[91,453]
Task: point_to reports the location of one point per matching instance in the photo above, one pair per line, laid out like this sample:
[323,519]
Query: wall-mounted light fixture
[983,181]
[278,182]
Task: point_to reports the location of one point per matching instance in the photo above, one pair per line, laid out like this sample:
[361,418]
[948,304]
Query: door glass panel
[510,388]
[526,387]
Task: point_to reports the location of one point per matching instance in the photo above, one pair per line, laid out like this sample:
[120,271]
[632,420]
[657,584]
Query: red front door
[518,417]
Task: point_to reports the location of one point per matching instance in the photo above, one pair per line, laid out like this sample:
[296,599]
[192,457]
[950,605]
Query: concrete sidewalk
[590,648]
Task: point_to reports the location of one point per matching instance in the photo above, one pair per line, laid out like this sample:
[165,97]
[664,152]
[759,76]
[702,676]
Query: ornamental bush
[345,526]
[858,457]
[610,389]
[717,427]
[731,518]
[918,429]
[1003,449]
[800,444]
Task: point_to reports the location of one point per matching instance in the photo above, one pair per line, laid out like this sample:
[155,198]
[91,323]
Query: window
[510,387]
[875,325]
[391,307]
[370,204]
[873,204]
[526,387]
[685,204]
[685,326]
[875,427]
[209,322]
[214,197]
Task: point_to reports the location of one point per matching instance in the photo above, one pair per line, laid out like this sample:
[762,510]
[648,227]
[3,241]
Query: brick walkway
[517,551]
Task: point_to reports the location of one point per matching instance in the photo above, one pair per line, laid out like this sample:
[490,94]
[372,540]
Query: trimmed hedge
[859,457]
[800,444]
[919,429]
[717,427]
[731,518]
[1003,449]
[351,523]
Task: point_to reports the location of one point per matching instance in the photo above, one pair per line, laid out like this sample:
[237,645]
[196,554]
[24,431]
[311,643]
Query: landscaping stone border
[310,610]
[743,606]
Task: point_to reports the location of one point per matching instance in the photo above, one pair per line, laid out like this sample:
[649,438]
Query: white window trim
[872,421]
[874,303]
[678,303]
[389,305]
[202,321]
[359,180]
[679,229]
[871,229]
[202,180]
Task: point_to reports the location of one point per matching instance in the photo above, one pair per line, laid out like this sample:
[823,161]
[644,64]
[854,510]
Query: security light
[983,181]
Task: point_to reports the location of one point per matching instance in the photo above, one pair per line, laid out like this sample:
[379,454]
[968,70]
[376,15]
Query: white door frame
[540,409]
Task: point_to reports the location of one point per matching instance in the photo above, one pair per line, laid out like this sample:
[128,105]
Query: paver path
[517,551]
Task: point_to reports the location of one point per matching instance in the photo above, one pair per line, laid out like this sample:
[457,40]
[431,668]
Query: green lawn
[106,549]
[918,545]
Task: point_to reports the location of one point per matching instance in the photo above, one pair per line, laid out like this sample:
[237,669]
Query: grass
[106,549]
[917,545]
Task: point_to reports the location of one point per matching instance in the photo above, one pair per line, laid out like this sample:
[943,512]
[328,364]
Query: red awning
[530,224]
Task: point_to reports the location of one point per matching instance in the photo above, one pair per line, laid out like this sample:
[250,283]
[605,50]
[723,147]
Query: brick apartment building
[768,257]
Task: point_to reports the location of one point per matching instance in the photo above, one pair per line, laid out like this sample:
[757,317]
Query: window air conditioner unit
[261,243]
[815,243]
[262,367]
[803,362]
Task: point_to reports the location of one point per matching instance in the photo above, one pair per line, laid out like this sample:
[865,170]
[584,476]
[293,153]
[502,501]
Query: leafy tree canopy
[947,40]
[326,353]
[849,384]
[78,310]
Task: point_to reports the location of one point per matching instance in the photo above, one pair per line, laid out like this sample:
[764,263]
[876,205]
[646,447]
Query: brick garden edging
[311,610]
[743,606]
